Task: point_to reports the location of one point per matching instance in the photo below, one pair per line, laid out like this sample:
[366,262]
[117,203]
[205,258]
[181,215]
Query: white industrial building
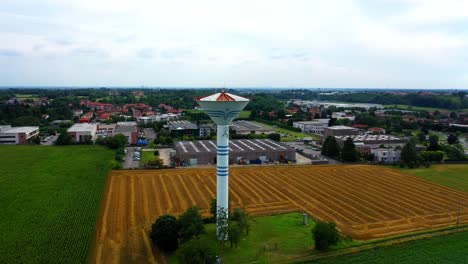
[386,155]
[80,130]
[17,135]
[315,126]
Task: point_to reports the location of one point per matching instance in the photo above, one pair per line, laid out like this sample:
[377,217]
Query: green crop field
[451,175]
[446,249]
[50,197]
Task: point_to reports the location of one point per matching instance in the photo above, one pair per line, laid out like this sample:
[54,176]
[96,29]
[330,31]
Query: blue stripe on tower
[223,174]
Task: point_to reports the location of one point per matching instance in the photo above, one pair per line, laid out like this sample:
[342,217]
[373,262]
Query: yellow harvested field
[366,202]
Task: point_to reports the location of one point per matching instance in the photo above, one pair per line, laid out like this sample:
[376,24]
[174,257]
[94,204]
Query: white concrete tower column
[222,171]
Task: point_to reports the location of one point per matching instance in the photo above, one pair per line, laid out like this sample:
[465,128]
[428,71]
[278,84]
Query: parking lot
[130,160]
[310,150]
[48,141]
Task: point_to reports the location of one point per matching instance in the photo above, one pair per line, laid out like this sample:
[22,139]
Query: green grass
[451,175]
[420,108]
[245,114]
[147,156]
[286,231]
[292,135]
[446,249]
[50,198]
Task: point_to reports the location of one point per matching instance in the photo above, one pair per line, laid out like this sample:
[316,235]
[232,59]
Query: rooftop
[367,138]
[315,121]
[23,129]
[223,97]
[82,127]
[248,126]
[341,128]
[235,146]
[181,125]
[122,129]
[127,123]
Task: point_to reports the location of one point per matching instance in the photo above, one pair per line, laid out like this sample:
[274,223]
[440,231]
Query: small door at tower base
[193,162]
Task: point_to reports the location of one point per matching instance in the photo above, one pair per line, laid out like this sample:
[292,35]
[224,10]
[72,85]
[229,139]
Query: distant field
[366,202]
[451,175]
[50,198]
[421,108]
[292,135]
[446,249]
[245,114]
[26,96]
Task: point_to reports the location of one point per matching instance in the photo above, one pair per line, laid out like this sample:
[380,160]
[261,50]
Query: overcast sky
[414,44]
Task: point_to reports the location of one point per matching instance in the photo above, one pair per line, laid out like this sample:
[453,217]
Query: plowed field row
[365,201]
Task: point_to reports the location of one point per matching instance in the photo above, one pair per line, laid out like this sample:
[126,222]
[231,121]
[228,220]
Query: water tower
[222,108]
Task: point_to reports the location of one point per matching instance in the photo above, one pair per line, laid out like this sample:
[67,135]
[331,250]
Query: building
[385,155]
[340,131]
[376,130]
[343,115]
[106,129]
[247,127]
[182,128]
[316,126]
[79,131]
[375,141]
[205,130]
[241,151]
[17,135]
[131,132]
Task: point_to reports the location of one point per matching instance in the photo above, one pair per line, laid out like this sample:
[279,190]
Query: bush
[197,251]
[164,233]
[191,224]
[156,153]
[115,165]
[325,235]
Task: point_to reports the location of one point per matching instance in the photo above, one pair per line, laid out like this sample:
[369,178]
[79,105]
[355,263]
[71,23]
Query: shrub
[191,224]
[325,235]
[197,251]
[164,233]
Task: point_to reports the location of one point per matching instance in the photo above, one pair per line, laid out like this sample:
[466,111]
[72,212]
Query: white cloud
[250,43]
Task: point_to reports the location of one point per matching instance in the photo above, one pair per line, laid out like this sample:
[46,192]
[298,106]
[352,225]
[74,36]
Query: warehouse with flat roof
[243,127]
[241,151]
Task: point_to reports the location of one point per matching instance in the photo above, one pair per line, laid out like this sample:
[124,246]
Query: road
[129,163]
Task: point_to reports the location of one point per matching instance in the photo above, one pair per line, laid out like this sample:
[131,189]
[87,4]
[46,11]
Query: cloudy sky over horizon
[245,43]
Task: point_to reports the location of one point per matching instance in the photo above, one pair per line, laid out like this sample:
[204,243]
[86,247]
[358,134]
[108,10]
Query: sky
[242,43]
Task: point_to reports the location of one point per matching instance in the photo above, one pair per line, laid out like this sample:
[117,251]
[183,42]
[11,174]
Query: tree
[235,233]
[275,137]
[213,207]
[164,233]
[409,154]
[433,143]
[421,136]
[197,251]
[191,224]
[454,152]
[325,235]
[63,139]
[349,153]
[330,147]
[452,139]
[242,218]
